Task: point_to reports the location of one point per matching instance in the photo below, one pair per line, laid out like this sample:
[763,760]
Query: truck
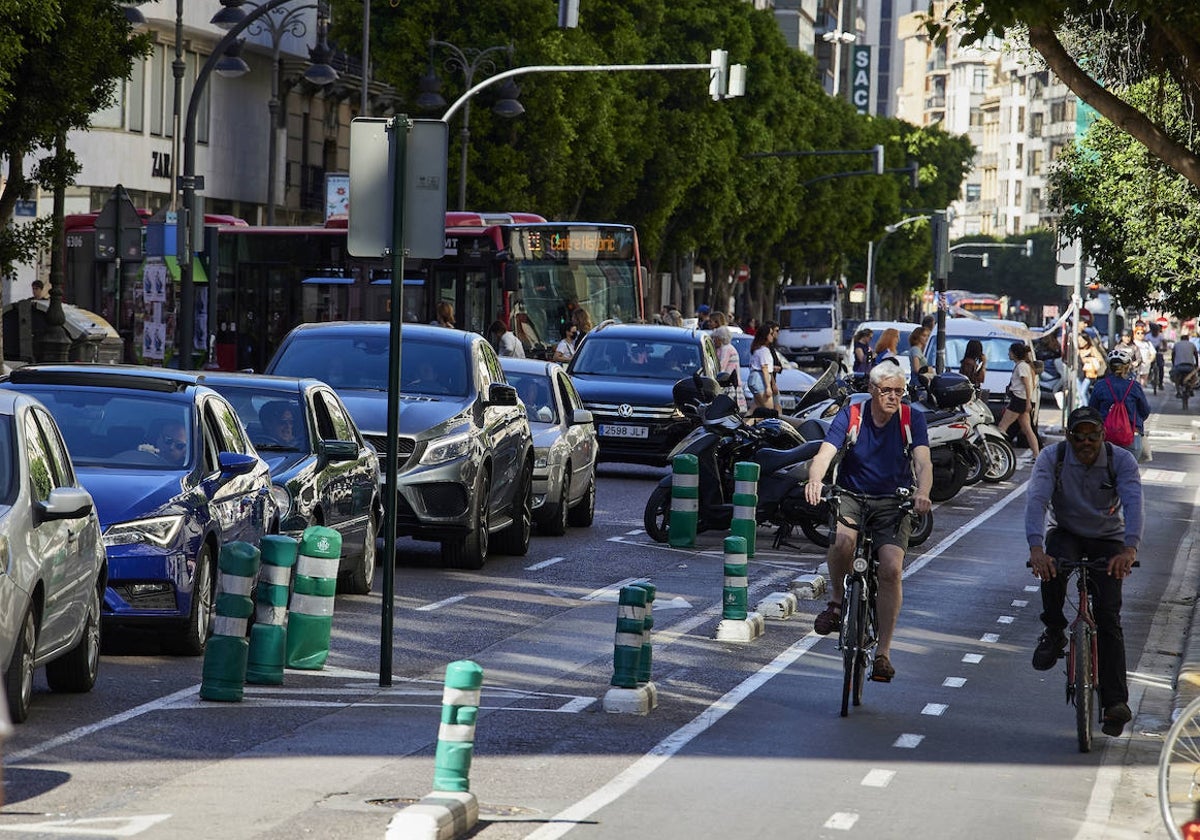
[810,322]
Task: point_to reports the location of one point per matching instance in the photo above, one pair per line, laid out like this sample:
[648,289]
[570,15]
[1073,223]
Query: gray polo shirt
[1086,504]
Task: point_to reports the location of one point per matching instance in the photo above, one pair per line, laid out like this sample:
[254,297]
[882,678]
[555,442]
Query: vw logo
[624,410]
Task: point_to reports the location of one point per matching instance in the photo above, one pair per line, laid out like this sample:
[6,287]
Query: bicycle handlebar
[1075,564]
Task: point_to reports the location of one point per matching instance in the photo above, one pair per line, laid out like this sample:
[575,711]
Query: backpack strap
[856,422]
[1062,454]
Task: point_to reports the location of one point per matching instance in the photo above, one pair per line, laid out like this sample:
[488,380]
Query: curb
[441,815]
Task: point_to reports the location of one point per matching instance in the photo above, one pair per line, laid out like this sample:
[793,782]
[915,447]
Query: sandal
[882,670]
[828,620]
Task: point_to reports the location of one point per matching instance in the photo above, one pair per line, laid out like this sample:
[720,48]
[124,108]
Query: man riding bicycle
[879,461]
[1093,493]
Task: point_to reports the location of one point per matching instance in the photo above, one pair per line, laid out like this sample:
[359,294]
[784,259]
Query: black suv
[625,373]
[464,451]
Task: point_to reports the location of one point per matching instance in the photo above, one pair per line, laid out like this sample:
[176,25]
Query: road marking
[972,658]
[959,533]
[954,682]
[544,564]
[842,821]
[1033,587]
[445,602]
[878,778]
[908,741]
[635,532]
[93,826]
[1164,476]
[612,591]
[990,638]
[1020,603]
[935,709]
[1005,619]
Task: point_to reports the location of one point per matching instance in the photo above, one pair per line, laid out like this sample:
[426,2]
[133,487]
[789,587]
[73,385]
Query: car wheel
[582,515]
[553,520]
[75,672]
[514,539]
[359,579]
[194,635]
[470,551]
[18,679]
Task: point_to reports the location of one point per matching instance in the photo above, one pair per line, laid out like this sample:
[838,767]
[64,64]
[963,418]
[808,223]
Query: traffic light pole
[941,269]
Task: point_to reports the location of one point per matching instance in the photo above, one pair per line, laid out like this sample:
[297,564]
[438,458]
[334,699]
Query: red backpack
[1118,426]
[856,421]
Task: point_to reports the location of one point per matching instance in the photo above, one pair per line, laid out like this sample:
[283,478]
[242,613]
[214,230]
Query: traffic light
[1029,247]
[983,259]
[877,153]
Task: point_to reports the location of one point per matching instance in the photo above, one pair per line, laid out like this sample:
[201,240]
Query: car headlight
[446,449]
[541,457]
[282,499]
[159,530]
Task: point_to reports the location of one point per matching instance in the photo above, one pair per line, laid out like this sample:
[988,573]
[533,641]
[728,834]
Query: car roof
[646,332]
[134,377]
[258,381]
[987,328]
[426,333]
[530,366]
[904,327]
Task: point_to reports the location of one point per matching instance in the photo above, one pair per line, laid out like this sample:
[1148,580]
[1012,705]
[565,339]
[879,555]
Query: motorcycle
[997,460]
[721,440]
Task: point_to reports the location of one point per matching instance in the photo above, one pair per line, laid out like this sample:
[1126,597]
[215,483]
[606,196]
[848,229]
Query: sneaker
[828,620]
[1049,648]
[882,670]
[1115,718]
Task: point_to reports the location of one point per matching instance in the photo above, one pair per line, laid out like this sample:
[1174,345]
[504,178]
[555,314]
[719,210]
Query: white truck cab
[810,324]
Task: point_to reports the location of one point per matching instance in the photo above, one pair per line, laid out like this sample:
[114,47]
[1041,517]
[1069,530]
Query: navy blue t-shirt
[876,465]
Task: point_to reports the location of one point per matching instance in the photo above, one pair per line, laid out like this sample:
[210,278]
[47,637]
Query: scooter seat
[770,460]
[942,415]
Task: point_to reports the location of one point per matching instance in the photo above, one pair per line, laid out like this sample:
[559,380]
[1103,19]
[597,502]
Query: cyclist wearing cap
[1118,385]
[1081,505]
[878,463]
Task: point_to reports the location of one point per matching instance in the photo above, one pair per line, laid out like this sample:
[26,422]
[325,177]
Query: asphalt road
[746,740]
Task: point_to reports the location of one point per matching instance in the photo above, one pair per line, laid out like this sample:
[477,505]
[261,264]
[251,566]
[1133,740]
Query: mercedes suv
[464,449]
[625,374]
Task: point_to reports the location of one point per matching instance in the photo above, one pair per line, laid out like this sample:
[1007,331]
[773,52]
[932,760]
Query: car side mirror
[337,450]
[65,503]
[500,393]
[582,417]
[235,463]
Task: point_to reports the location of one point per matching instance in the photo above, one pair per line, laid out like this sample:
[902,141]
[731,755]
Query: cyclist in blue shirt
[879,462]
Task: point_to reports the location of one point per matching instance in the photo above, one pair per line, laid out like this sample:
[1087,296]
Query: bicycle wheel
[1081,643]
[866,643]
[1179,772]
[852,619]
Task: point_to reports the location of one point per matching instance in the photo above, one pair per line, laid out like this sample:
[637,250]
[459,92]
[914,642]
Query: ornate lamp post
[468,62]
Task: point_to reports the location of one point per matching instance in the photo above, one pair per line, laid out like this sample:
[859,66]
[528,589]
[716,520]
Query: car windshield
[534,391]
[806,318]
[118,428]
[995,350]
[640,358]
[361,362]
[274,420]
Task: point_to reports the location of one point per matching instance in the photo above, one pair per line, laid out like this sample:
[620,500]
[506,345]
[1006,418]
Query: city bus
[518,268]
[978,304]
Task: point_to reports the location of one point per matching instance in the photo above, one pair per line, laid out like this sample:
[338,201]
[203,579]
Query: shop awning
[199,275]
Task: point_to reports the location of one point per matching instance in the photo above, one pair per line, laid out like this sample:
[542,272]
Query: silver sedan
[564,442]
[52,561]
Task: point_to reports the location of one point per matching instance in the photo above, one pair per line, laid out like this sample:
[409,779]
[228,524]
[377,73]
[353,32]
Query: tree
[67,58]
[1099,50]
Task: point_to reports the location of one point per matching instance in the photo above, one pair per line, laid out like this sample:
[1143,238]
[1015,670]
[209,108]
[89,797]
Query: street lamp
[468,61]
[276,25]
[873,252]
[189,183]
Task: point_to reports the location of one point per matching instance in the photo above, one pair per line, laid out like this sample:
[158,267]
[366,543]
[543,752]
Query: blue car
[174,478]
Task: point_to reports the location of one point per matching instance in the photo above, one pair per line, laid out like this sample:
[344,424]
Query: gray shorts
[882,516]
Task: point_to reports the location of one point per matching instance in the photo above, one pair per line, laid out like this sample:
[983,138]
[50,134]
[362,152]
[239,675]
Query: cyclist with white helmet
[1119,384]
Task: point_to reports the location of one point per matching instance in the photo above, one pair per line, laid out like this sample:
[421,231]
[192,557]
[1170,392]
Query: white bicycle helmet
[1120,355]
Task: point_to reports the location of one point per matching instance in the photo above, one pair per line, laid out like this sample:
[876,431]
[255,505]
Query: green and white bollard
[646,659]
[745,504]
[685,501]
[310,622]
[224,672]
[268,636]
[738,623]
[456,735]
[631,624]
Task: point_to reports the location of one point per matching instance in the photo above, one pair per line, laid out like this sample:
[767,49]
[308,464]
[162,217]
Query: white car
[53,568]
[564,444]
[793,382]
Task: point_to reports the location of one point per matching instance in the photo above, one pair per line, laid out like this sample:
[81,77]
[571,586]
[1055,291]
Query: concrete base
[808,587]
[741,630]
[631,701]
[779,605]
[442,815]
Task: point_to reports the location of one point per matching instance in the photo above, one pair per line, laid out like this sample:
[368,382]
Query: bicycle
[1083,656]
[1179,774]
[1156,371]
[860,630]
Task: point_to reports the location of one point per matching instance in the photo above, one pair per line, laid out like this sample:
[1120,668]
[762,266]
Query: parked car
[905,329]
[793,382]
[323,471]
[564,444]
[55,567]
[464,451]
[996,336]
[625,374]
[174,479]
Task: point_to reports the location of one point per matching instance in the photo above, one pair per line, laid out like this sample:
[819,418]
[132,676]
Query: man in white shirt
[507,344]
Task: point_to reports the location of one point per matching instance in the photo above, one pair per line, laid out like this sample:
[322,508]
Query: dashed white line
[954,682]
[878,778]
[934,709]
[445,602]
[634,532]
[842,821]
[972,658]
[990,638]
[1006,619]
[1033,587]
[908,741]
[544,564]
[1020,603]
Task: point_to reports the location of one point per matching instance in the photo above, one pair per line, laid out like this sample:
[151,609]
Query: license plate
[607,430]
[787,402]
[806,358]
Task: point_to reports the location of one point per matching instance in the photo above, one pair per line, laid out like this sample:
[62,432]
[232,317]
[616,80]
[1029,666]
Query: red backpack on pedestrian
[1118,425]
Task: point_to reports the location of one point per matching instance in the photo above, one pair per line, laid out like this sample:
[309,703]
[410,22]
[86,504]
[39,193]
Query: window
[979,79]
[162,93]
[1035,164]
[1035,124]
[41,481]
[973,192]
